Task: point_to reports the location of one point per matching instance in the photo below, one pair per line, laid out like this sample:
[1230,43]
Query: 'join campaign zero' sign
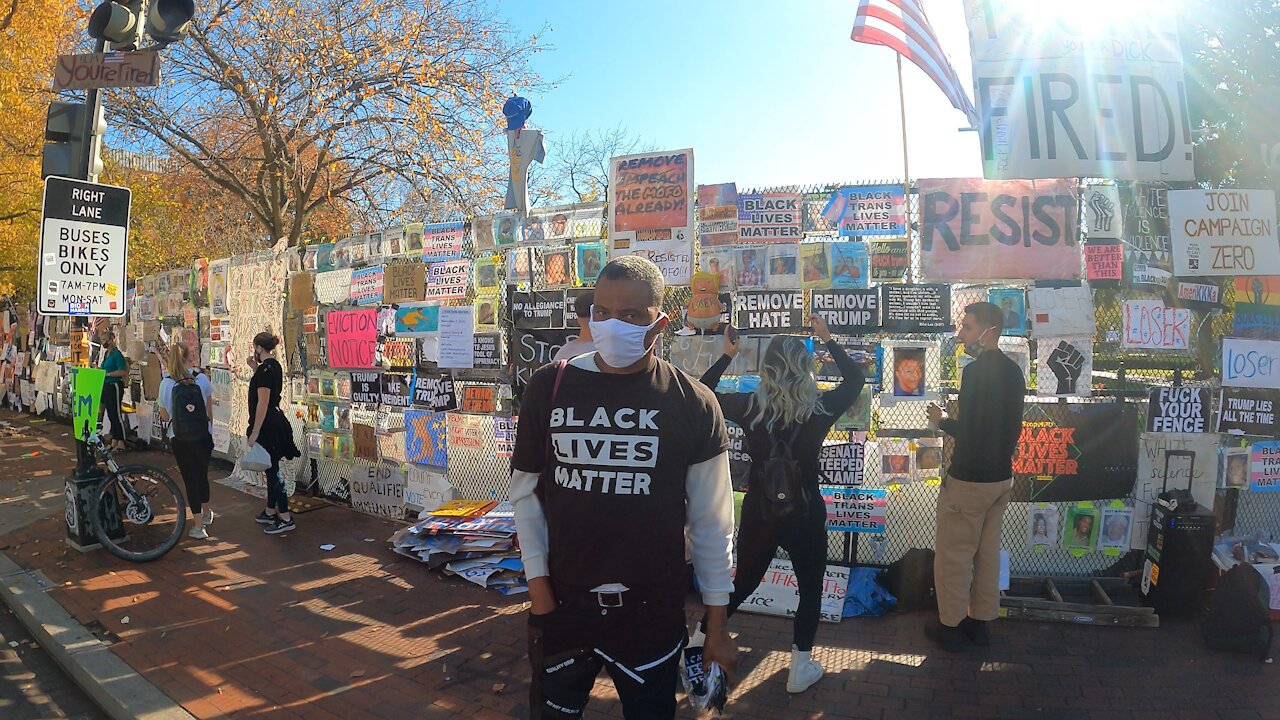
[84,239]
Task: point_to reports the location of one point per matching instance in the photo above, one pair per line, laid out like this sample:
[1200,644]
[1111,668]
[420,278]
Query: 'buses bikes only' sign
[83,248]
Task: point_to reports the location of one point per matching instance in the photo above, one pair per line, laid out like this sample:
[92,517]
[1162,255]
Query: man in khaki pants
[975,491]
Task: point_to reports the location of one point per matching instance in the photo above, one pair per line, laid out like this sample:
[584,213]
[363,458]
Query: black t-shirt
[989,419]
[614,493]
[268,375]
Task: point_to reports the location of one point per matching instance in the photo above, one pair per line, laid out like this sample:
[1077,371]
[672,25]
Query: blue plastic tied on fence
[866,597]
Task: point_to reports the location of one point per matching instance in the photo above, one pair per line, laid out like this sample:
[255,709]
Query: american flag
[903,26]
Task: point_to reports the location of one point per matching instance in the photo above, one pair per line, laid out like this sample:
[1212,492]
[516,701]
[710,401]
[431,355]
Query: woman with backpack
[186,403]
[786,418]
[269,427]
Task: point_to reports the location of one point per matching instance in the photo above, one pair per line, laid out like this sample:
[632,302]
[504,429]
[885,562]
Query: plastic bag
[707,690]
[866,597]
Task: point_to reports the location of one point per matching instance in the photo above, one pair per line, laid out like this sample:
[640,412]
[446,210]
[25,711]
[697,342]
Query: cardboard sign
[426,490]
[399,352]
[1103,217]
[770,217]
[916,308]
[1104,263]
[1264,467]
[842,464]
[1247,412]
[1061,312]
[973,230]
[504,435]
[1224,232]
[538,310]
[352,338]
[488,352]
[366,441]
[847,311]
[778,593]
[378,490]
[466,432]
[366,285]
[366,387]
[425,437]
[767,311]
[1250,363]
[396,389]
[404,283]
[435,392]
[651,197]
[448,280]
[673,257]
[301,290]
[1178,409]
[862,510]
[482,399]
[1150,324]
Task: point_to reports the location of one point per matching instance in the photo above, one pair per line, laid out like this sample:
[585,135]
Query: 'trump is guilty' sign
[84,241]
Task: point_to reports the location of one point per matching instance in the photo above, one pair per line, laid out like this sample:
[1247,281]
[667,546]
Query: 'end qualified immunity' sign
[84,239]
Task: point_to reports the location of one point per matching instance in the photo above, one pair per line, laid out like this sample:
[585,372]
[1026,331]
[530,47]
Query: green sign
[86,389]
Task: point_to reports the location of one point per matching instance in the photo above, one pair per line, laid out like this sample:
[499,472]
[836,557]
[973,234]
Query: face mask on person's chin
[621,344]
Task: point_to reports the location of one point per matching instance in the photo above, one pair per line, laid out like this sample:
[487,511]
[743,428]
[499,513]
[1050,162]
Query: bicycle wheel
[139,514]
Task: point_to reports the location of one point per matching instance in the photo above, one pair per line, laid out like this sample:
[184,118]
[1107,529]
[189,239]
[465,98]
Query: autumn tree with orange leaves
[294,106]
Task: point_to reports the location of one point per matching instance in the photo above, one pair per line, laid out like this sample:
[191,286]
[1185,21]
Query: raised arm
[853,378]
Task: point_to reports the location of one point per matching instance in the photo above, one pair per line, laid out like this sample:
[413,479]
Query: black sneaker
[279,527]
[265,518]
[976,631]
[948,638]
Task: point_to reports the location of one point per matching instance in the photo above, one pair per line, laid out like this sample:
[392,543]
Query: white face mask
[976,349]
[621,344]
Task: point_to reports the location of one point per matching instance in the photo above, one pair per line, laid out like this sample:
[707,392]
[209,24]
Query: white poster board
[1250,363]
[1061,312]
[1223,232]
[778,593]
[1151,468]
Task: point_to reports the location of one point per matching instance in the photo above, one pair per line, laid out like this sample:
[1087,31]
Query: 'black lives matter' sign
[1178,409]
[847,311]
[768,311]
[916,308]
[1245,411]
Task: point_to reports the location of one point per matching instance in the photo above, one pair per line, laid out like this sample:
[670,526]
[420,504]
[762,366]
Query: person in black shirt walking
[975,490]
[787,407]
[618,454]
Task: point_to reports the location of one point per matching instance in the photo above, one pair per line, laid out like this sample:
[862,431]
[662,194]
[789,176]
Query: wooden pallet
[1084,601]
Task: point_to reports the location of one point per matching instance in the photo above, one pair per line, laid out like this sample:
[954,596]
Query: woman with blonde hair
[186,404]
[787,412]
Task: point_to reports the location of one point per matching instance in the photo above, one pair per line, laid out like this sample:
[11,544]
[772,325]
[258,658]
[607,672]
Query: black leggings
[112,402]
[277,497]
[193,463]
[805,540]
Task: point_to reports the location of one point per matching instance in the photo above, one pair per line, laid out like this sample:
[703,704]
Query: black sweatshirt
[808,443]
[989,419]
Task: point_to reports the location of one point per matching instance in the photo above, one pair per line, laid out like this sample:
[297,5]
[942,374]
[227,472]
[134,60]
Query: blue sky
[766,92]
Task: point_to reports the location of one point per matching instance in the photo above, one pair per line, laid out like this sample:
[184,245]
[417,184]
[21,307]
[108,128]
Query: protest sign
[404,282]
[416,319]
[542,310]
[366,285]
[815,265]
[1077,98]
[425,440]
[504,436]
[1061,312]
[915,308]
[860,510]
[570,305]
[782,265]
[533,349]
[448,280]
[1103,218]
[457,338]
[1064,366]
[1013,305]
[1224,232]
[1250,363]
[426,490]
[889,260]
[769,217]
[481,399]
[651,197]
[863,353]
[847,311]
[218,286]
[488,352]
[1150,324]
[695,354]
[1070,452]
[1264,467]
[778,593]
[863,211]
[768,311]
[365,387]
[441,241]
[366,442]
[1178,409]
[396,389]
[1104,263]
[378,490]
[973,230]
[850,264]
[673,257]
[301,290]
[486,272]
[352,338]
[1257,309]
[565,222]
[399,352]
[435,392]
[718,214]
[1247,412]
[1200,473]
[842,464]
[1198,296]
[508,229]
[1148,251]
[466,432]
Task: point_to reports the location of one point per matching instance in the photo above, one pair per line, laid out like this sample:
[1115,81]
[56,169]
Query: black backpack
[1240,617]
[781,482]
[910,579]
[189,420]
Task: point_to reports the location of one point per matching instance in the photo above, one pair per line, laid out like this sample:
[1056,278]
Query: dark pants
[276,496]
[638,646]
[193,463]
[805,540]
[112,404]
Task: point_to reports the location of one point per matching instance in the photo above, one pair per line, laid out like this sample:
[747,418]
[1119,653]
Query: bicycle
[138,514]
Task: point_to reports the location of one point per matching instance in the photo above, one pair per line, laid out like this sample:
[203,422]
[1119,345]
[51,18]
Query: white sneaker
[207,517]
[199,533]
[804,672]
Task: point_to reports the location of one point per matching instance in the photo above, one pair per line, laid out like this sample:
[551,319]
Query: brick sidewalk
[248,625]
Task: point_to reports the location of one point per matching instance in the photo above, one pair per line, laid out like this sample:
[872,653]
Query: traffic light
[169,20]
[119,22]
[66,142]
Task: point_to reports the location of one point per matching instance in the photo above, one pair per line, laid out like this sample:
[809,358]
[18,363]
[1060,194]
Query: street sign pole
[93,109]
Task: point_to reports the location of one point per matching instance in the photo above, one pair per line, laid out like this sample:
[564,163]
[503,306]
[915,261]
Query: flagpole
[906,170]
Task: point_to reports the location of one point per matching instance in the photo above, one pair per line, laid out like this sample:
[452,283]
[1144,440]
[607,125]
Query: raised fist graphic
[1102,212]
[1066,362]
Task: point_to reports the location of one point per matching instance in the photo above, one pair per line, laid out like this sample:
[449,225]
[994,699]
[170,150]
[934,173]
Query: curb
[115,687]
